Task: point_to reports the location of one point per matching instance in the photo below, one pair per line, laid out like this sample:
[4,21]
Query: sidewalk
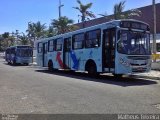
[156,65]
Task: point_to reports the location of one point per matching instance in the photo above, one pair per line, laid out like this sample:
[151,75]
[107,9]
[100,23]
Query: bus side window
[51,46]
[67,44]
[40,47]
[13,51]
[93,39]
[59,43]
[46,47]
[78,41]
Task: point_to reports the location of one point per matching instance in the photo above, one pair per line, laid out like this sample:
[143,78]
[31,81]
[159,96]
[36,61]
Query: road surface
[31,89]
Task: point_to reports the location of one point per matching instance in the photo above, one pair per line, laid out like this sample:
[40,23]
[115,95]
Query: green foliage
[36,30]
[5,35]
[24,40]
[51,32]
[6,40]
[120,14]
[83,9]
[63,25]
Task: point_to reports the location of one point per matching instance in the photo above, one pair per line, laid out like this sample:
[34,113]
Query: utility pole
[59,8]
[17,33]
[154,29]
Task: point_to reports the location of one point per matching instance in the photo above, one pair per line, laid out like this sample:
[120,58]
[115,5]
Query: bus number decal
[123,62]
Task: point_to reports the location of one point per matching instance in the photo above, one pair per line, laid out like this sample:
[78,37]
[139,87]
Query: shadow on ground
[16,65]
[125,81]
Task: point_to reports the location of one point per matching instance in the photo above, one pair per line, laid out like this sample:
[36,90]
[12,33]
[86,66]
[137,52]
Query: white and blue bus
[21,54]
[118,47]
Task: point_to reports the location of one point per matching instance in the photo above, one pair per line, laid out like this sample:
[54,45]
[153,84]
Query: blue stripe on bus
[75,60]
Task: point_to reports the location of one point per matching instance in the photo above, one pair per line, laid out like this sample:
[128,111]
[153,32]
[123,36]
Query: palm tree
[24,39]
[83,9]
[1,40]
[39,29]
[50,32]
[120,14]
[31,30]
[35,31]
[63,25]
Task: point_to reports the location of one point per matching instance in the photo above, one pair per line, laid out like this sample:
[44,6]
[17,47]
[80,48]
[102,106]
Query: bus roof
[113,23]
[18,46]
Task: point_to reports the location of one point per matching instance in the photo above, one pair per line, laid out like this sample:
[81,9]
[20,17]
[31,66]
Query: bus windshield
[133,43]
[24,52]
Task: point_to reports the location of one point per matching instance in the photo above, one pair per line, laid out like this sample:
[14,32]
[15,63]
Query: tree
[120,14]
[50,32]
[7,40]
[31,30]
[63,25]
[39,29]
[36,31]
[1,40]
[24,39]
[83,9]
[5,35]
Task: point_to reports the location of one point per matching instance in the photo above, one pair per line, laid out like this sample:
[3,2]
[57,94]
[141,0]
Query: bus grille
[138,64]
[139,57]
[139,70]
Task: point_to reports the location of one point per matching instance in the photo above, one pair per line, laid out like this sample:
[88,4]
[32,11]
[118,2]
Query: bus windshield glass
[133,43]
[24,52]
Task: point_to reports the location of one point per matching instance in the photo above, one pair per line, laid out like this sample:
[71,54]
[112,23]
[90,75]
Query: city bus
[20,54]
[118,47]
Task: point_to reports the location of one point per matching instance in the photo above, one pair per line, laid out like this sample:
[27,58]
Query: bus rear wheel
[117,75]
[14,62]
[50,66]
[26,64]
[92,70]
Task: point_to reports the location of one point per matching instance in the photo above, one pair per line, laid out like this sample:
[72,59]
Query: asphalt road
[31,89]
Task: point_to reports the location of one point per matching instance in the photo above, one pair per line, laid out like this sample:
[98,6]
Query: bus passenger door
[108,50]
[45,58]
[66,55]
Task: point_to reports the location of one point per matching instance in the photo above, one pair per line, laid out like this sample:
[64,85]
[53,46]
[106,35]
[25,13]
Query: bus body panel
[39,59]
[57,59]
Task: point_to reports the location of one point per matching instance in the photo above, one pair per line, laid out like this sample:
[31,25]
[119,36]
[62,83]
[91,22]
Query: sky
[15,14]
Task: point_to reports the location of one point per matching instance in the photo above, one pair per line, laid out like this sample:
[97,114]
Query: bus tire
[14,62]
[117,75]
[8,62]
[50,66]
[91,69]
[26,64]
